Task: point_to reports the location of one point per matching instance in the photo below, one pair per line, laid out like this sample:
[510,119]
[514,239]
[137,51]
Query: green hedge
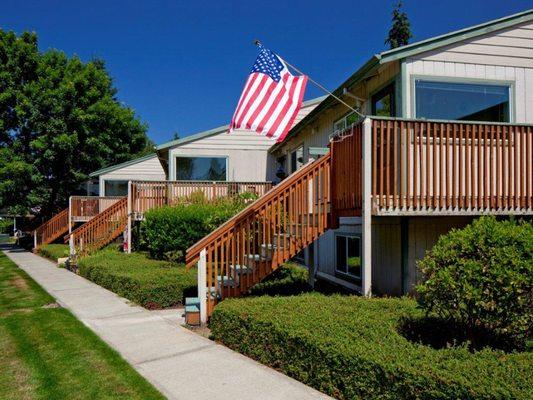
[349,347]
[167,232]
[54,251]
[151,283]
[289,279]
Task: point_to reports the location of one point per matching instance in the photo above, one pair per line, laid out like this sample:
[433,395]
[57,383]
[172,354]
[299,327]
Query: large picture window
[348,255]
[344,122]
[462,101]
[116,188]
[201,169]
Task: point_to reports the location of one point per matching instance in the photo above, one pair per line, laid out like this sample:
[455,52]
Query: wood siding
[148,170]
[506,56]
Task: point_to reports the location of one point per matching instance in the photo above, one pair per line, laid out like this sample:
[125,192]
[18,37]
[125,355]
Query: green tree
[400,31]
[59,120]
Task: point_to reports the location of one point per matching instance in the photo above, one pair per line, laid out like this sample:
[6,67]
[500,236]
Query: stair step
[226,281]
[241,269]
[213,293]
[253,258]
[268,249]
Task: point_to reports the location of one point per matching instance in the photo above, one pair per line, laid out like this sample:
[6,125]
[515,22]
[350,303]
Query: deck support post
[70,215]
[35,239]
[202,282]
[128,232]
[366,284]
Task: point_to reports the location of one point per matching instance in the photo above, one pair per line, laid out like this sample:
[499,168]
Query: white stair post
[35,239]
[129,218]
[367,208]
[70,215]
[202,283]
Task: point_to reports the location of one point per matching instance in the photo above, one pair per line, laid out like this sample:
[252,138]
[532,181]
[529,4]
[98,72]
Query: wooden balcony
[146,195]
[83,208]
[422,167]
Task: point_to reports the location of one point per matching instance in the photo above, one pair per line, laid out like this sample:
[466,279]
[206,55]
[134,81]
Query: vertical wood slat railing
[267,233]
[146,195]
[100,230]
[439,166]
[347,179]
[83,208]
[52,229]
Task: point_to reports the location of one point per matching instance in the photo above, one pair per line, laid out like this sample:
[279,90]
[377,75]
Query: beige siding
[149,170]
[505,55]
[246,153]
[386,256]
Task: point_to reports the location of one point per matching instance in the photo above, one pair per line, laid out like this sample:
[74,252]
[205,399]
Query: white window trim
[346,236]
[289,156]
[475,81]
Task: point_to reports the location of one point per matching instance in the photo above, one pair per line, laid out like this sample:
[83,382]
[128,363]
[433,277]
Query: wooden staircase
[269,232]
[51,230]
[100,230]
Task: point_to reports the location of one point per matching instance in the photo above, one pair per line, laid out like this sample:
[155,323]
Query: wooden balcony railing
[146,195]
[100,230]
[264,235]
[424,167]
[83,208]
[52,229]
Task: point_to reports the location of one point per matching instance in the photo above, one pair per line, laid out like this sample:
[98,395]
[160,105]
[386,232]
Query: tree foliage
[400,31]
[59,120]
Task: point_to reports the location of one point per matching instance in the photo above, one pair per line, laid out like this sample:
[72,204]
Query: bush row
[350,347]
[150,283]
[54,251]
[289,279]
[167,232]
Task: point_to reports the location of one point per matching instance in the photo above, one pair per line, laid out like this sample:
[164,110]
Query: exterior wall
[505,56]
[147,170]
[317,132]
[246,153]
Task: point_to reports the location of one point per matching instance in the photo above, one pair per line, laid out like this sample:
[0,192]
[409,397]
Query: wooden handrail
[101,229]
[51,229]
[194,251]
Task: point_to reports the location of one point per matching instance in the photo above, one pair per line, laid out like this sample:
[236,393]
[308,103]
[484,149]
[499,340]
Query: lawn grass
[150,283]
[54,251]
[351,347]
[46,353]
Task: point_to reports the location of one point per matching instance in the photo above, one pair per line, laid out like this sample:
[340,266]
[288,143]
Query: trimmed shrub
[54,251]
[349,347]
[6,226]
[481,277]
[289,279]
[152,284]
[167,232]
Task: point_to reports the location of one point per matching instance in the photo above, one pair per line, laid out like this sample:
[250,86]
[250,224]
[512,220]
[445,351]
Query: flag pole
[259,44]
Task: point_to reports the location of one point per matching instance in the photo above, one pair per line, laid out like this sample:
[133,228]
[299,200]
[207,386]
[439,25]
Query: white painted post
[70,215]
[35,239]
[71,246]
[129,218]
[367,208]
[202,283]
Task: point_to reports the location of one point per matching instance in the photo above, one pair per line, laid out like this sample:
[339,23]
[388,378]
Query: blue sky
[182,64]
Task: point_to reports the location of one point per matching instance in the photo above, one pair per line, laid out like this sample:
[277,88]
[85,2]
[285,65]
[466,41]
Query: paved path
[180,363]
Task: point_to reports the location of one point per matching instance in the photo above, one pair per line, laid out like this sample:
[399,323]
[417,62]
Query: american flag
[271,98]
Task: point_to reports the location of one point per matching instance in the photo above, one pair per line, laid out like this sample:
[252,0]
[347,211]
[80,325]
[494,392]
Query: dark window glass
[462,101]
[297,159]
[348,256]
[383,104]
[116,188]
[200,168]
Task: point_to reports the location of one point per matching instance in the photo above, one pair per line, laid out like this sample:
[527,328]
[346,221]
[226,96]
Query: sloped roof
[121,165]
[410,50]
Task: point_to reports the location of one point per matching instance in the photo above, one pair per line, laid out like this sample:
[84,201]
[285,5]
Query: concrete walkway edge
[178,362]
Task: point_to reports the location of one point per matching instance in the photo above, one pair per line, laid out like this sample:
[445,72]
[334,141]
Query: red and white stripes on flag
[271,98]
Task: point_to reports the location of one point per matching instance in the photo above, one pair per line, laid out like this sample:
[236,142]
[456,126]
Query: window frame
[343,274]
[115,180]
[343,118]
[289,157]
[475,81]
[389,88]
[175,166]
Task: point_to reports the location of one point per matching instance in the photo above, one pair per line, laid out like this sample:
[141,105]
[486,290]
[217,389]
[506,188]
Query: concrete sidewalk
[180,363]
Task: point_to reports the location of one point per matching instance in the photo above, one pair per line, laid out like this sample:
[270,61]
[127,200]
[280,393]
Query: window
[297,159]
[344,122]
[383,104]
[201,168]
[462,101]
[348,255]
[116,188]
